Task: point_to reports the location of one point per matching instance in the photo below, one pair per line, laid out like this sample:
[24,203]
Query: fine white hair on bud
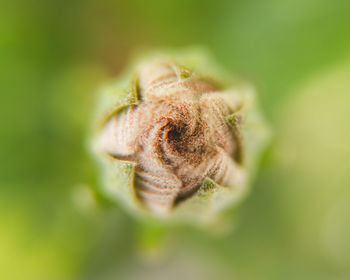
[182,131]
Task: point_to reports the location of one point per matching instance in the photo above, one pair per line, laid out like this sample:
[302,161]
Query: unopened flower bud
[175,142]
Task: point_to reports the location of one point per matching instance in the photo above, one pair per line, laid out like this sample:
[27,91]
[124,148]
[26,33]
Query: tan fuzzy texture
[177,136]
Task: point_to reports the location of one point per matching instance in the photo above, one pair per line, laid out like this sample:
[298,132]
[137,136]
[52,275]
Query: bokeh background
[54,55]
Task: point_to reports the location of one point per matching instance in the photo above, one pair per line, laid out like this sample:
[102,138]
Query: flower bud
[178,143]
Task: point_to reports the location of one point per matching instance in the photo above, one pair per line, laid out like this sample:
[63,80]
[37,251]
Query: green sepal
[116,97]
[118,181]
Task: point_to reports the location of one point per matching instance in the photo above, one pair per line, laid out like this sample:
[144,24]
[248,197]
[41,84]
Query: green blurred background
[54,55]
